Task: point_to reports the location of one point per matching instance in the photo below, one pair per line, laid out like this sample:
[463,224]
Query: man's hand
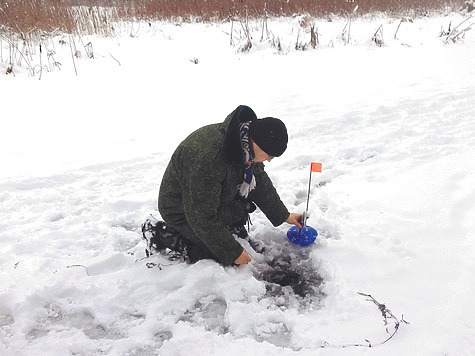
[295,219]
[244,259]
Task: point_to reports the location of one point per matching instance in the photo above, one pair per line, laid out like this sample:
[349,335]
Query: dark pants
[196,249]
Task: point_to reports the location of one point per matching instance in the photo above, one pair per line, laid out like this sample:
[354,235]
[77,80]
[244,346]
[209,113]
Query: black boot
[159,237]
[150,236]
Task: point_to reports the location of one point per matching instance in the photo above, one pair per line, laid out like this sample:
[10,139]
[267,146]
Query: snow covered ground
[82,156]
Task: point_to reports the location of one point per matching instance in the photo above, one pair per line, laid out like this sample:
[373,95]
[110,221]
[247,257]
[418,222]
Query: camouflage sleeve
[202,183]
[266,197]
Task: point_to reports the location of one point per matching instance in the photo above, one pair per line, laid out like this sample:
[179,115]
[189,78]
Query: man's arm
[266,197]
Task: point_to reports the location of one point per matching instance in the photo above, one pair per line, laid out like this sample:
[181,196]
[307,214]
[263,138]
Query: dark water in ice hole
[303,280]
[287,266]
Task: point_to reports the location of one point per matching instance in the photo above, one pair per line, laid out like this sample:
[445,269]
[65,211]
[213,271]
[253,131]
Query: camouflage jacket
[200,187]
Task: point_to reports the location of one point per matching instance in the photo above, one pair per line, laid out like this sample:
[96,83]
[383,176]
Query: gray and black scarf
[249,182]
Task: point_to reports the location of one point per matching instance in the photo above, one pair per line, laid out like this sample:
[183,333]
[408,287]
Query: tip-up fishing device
[307,234]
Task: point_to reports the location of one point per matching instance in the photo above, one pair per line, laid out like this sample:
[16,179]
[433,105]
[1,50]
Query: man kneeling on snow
[213,181]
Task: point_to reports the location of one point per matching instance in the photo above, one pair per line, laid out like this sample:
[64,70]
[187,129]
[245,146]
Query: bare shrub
[24,16]
[27,25]
[97,16]
[206,10]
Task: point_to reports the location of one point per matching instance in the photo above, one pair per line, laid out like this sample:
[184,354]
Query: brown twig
[387,315]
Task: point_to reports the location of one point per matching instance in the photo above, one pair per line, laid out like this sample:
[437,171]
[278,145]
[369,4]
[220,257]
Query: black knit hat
[270,134]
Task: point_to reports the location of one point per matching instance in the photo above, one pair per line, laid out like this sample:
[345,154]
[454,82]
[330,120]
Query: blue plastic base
[303,237]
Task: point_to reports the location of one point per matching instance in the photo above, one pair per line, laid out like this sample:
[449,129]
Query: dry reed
[97,16]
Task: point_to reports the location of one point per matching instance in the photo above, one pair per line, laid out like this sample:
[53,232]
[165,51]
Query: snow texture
[82,157]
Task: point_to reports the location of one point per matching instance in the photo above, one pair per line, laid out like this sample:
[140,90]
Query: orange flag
[316,167]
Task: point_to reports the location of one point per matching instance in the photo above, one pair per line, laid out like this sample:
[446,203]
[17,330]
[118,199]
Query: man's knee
[197,253]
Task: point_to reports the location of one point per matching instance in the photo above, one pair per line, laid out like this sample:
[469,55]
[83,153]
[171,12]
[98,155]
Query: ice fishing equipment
[303,237]
[307,234]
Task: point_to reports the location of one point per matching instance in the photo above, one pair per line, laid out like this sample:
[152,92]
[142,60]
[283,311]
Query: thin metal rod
[308,197]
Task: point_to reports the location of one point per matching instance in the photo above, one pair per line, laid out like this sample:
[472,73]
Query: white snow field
[82,157]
